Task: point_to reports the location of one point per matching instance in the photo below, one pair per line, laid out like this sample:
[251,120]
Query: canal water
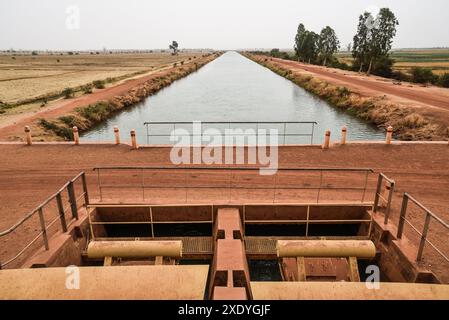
[233,88]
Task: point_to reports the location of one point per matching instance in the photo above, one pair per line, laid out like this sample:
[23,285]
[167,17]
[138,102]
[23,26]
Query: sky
[221,25]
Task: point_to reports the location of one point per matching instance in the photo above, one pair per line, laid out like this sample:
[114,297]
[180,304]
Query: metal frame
[151,222]
[230,184]
[73,200]
[229,124]
[212,207]
[379,196]
[429,216]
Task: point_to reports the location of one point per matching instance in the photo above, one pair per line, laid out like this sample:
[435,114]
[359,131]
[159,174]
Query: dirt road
[376,86]
[11,128]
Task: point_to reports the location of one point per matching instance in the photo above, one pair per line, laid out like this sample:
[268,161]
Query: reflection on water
[233,88]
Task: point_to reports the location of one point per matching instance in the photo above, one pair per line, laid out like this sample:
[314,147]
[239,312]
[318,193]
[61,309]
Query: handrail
[69,186]
[232,122]
[229,168]
[230,183]
[308,221]
[43,204]
[229,123]
[429,216]
[379,196]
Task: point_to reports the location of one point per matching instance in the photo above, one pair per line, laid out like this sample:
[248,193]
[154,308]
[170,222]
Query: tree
[274,52]
[362,39]
[349,47]
[374,39]
[444,80]
[382,35]
[299,42]
[174,46]
[310,46]
[423,75]
[328,44]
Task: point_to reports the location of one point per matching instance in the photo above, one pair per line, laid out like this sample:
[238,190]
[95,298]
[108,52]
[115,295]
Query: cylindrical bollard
[389,135]
[117,135]
[76,136]
[327,139]
[344,132]
[28,135]
[133,139]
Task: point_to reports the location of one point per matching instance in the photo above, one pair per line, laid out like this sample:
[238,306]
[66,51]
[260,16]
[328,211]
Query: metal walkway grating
[260,245]
[190,245]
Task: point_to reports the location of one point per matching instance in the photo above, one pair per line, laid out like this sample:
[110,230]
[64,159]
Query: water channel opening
[163,230]
[279,230]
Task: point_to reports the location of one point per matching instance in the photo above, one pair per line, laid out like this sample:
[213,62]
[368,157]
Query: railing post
[389,136]
[423,237]
[377,197]
[76,136]
[61,212]
[28,135]
[327,139]
[86,194]
[43,228]
[344,132]
[133,139]
[117,135]
[72,200]
[402,216]
[390,198]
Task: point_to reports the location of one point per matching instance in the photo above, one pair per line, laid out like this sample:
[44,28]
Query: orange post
[133,139]
[117,135]
[76,136]
[389,135]
[28,135]
[327,139]
[344,132]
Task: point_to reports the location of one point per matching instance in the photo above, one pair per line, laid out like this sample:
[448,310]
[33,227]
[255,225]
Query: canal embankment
[55,123]
[416,113]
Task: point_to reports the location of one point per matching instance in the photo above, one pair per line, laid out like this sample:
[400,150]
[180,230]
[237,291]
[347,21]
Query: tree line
[370,49]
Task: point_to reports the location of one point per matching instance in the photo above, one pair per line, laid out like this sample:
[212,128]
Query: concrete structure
[98,283]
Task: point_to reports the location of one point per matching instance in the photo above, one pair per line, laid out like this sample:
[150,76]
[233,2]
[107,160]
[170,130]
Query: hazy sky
[226,24]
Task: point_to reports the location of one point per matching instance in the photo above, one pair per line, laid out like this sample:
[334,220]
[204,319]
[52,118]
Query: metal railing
[308,221]
[390,187]
[73,201]
[151,222]
[186,178]
[424,233]
[223,126]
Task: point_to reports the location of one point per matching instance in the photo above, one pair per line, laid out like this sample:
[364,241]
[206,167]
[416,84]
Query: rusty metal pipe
[325,248]
[134,249]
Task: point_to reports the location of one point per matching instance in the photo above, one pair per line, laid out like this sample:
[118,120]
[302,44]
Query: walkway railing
[65,200]
[156,182]
[155,129]
[429,217]
[388,186]
[208,210]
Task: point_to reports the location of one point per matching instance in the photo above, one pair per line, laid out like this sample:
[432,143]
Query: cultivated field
[406,59]
[27,78]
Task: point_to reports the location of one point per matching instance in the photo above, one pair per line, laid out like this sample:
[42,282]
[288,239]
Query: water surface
[234,88]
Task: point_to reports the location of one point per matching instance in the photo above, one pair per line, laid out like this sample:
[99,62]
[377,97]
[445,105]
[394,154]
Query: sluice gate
[226,249]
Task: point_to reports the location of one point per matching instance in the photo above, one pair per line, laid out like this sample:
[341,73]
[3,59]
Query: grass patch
[99,84]
[58,129]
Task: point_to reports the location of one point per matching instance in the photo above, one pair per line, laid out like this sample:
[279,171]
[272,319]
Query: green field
[406,59]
